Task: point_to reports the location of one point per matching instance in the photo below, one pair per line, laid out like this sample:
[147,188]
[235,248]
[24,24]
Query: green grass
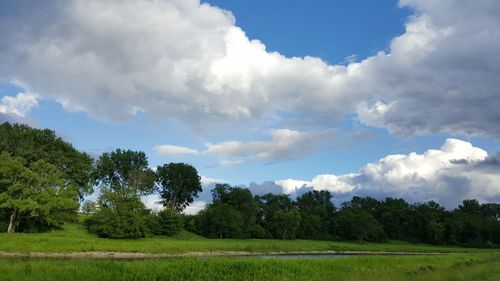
[456,267]
[460,264]
[74,238]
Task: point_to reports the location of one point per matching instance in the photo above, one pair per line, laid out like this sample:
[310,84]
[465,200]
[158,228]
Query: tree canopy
[32,145]
[178,184]
[122,175]
[35,193]
[125,172]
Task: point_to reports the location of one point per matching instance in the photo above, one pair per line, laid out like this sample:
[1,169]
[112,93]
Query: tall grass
[450,267]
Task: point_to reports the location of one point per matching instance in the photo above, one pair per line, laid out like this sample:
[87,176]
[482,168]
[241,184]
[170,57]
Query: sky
[369,98]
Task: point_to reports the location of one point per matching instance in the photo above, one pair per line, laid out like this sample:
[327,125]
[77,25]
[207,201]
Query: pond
[305,256]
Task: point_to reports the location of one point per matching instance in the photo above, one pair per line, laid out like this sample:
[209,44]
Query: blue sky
[255,91]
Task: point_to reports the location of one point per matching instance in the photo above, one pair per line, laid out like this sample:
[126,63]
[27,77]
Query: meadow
[454,264]
[75,238]
[466,267]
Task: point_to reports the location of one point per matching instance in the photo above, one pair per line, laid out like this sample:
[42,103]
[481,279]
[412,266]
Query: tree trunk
[12,221]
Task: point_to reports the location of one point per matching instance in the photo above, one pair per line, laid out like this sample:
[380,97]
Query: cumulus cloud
[448,175]
[440,74]
[188,61]
[15,109]
[285,144]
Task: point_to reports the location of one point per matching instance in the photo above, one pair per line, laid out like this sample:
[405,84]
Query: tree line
[235,213]
[43,181]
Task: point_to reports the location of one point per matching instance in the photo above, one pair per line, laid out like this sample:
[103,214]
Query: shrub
[120,218]
[166,222]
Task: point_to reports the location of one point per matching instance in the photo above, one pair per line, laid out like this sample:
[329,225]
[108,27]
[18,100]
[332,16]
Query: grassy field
[474,266]
[74,238]
[459,264]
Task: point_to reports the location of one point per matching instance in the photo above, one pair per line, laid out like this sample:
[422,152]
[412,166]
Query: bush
[120,219]
[109,223]
[166,222]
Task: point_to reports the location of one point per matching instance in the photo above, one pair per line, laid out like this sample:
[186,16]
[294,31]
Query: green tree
[35,144]
[429,222]
[394,215]
[279,216]
[37,193]
[122,175]
[119,217]
[125,172]
[316,211]
[220,221]
[284,224]
[243,202]
[357,224]
[178,184]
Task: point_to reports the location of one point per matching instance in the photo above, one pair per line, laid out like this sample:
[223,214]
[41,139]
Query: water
[306,256]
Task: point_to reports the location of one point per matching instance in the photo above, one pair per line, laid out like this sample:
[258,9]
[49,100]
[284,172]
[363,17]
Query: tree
[37,193]
[358,224]
[394,215]
[429,218]
[125,172]
[279,217]
[220,221]
[178,183]
[122,175]
[243,202]
[119,217]
[284,224]
[316,211]
[34,144]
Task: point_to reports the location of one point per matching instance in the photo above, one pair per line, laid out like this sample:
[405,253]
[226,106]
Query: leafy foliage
[36,197]
[124,172]
[166,222]
[220,221]
[178,184]
[357,224]
[119,217]
[317,212]
[123,175]
[32,144]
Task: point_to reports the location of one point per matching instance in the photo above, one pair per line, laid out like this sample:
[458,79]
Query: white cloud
[328,182]
[167,149]
[19,105]
[447,175]
[284,144]
[195,207]
[235,162]
[290,185]
[440,75]
[188,61]
[207,181]
[15,109]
